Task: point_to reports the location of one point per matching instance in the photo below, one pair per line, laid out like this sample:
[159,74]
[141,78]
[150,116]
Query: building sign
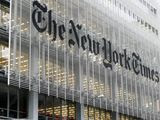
[43,21]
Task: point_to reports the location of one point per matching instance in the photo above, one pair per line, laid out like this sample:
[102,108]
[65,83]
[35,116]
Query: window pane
[102,114]
[57,108]
[49,107]
[23,98]
[13,102]
[41,107]
[108,116]
[91,113]
[97,115]
[64,110]
[72,111]
[4,16]
[85,113]
[3,101]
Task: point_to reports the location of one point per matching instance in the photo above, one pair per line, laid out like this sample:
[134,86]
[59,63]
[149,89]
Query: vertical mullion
[18,104]
[10,38]
[105,70]
[0,14]
[132,95]
[53,107]
[8,101]
[15,36]
[67,54]
[72,58]
[99,65]
[135,83]
[61,109]
[72,54]
[80,83]
[57,78]
[39,57]
[158,99]
[30,45]
[20,36]
[48,58]
[67,109]
[93,72]
[64,54]
[87,60]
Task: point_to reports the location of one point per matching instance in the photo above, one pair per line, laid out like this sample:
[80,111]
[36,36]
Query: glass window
[57,108]
[3,101]
[108,116]
[23,104]
[54,108]
[85,113]
[4,16]
[13,102]
[49,107]
[97,114]
[42,107]
[3,58]
[126,117]
[71,111]
[64,110]
[92,113]
[102,115]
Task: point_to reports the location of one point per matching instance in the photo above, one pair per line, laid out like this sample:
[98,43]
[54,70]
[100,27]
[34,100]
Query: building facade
[79,60]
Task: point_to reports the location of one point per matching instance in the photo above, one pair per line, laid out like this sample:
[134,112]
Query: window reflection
[52,107]
[41,106]
[3,58]
[126,117]
[23,100]
[57,109]
[4,16]
[92,113]
[3,101]
[64,110]
[71,111]
[49,108]
[13,103]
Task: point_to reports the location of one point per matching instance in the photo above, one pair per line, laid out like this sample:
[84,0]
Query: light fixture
[100,96]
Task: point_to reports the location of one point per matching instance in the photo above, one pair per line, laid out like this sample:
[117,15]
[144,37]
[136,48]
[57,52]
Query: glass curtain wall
[55,108]
[92,113]
[126,117]
[77,72]
[4,17]
[13,102]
